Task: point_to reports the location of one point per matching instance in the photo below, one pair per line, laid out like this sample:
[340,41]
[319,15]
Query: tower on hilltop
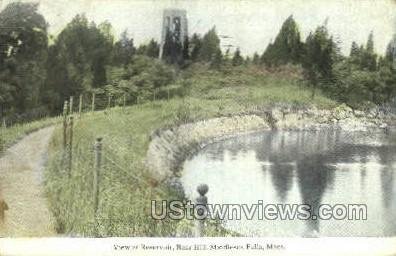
[174,21]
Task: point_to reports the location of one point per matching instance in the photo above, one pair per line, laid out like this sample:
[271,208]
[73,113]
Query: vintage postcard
[196,127]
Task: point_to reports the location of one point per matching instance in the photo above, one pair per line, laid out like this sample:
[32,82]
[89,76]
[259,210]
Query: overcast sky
[250,24]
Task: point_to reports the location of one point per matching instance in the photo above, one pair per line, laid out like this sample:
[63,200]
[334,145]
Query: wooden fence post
[4,123]
[168,90]
[201,209]
[96,174]
[70,160]
[124,103]
[109,102]
[80,105]
[65,109]
[71,105]
[93,102]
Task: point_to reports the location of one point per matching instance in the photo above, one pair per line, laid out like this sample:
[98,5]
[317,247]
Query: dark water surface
[301,167]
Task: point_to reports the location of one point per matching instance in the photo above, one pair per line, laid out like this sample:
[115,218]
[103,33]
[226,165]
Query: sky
[250,24]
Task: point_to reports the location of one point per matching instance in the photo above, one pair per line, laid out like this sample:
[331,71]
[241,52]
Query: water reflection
[281,176]
[314,177]
[321,167]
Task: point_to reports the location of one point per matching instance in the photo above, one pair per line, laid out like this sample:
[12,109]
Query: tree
[370,43]
[320,54]
[364,57]
[78,59]
[369,58]
[123,50]
[107,31]
[387,70]
[390,53]
[217,60]
[151,49]
[210,46]
[186,50]
[195,46]
[23,53]
[287,47]
[355,51]
[237,59]
[256,59]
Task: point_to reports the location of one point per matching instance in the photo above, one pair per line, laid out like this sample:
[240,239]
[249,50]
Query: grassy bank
[8,136]
[126,190]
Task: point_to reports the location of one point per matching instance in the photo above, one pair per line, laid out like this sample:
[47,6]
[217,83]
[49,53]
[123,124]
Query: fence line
[101,157]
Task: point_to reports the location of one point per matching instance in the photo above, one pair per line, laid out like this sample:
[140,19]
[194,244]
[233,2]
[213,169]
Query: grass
[9,136]
[126,188]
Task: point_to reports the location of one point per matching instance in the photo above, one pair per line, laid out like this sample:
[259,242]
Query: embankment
[169,148]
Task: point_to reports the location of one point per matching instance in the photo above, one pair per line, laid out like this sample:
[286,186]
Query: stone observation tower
[174,21]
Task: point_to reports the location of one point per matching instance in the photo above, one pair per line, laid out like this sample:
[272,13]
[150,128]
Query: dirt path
[21,186]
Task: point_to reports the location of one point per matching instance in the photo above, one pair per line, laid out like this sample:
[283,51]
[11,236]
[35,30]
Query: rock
[359,113]
[342,112]
[383,126]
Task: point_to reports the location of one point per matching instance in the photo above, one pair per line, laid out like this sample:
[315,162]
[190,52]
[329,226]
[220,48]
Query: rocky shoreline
[169,148]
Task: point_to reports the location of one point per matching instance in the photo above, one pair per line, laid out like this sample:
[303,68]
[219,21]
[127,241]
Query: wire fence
[99,172]
[99,99]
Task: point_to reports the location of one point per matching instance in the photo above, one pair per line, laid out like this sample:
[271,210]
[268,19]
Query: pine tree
[320,54]
[152,49]
[287,47]
[186,49]
[256,59]
[370,43]
[390,54]
[217,60]
[123,50]
[369,58]
[210,45]
[354,50]
[195,45]
[237,59]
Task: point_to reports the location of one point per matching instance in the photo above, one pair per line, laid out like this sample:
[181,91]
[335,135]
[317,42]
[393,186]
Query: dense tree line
[37,76]
[360,79]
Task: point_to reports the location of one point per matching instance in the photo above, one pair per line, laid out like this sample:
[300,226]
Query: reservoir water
[301,167]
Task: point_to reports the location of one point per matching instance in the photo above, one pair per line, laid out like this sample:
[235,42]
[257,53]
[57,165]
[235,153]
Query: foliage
[210,46]
[123,50]
[256,59]
[141,77]
[237,59]
[287,47]
[23,52]
[364,57]
[78,59]
[360,80]
[320,55]
[35,78]
[195,47]
[150,50]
